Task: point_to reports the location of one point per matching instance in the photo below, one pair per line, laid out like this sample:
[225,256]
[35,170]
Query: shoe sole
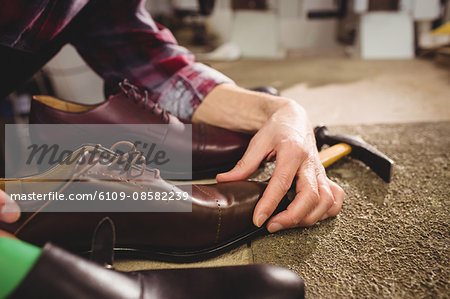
[189,256]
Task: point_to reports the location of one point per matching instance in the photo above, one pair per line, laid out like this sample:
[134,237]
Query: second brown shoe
[214,149]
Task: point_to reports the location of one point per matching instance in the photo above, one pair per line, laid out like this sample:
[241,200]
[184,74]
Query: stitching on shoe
[219,225]
[219,212]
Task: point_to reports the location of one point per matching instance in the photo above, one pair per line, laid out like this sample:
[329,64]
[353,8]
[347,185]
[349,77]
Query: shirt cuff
[185,90]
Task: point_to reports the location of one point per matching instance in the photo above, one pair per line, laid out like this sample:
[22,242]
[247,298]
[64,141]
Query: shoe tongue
[103,241]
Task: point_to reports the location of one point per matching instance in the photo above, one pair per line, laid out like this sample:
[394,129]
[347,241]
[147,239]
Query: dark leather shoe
[59,274]
[214,149]
[221,214]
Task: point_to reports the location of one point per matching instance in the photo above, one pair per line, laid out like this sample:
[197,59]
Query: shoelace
[129,166]
[134,161]
[139,95]
[90,165]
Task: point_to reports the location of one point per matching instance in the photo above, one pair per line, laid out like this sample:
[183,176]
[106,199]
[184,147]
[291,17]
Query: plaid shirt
[117,39]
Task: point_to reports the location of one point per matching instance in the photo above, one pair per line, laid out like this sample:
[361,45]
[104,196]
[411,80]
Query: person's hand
[288,136]
[9,211]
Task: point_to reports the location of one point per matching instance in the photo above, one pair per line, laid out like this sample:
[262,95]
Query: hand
[9,212]
[288,136]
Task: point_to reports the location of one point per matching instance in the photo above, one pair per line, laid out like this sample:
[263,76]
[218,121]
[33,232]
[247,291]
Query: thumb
[9,210]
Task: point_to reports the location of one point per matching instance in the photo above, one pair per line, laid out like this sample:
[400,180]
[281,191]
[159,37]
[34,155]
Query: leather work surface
[390,240]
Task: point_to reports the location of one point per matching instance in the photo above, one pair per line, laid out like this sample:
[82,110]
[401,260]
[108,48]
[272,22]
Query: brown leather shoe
[60,274]
[214,149]
[221,214]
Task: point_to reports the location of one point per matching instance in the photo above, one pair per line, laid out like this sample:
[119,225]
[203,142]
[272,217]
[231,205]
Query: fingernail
[10,211]
[261,219]
[274,227]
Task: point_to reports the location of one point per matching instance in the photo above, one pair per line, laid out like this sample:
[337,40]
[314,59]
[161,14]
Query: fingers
[279,184]
[339,196]
[317,198]
[9,210]
[304,202]
[325,202]
[256,152]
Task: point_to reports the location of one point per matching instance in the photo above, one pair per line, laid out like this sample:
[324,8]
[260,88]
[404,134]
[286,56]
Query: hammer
[355,147]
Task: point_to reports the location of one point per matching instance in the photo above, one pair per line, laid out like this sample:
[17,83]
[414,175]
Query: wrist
[271,105]
[235,108]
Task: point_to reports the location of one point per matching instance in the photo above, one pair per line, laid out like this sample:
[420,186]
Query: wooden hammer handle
[333,153]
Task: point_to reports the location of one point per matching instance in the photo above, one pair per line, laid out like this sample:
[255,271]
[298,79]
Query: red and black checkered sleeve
[121,40]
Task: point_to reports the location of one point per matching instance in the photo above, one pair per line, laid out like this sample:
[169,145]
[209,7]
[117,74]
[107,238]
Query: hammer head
[361,150]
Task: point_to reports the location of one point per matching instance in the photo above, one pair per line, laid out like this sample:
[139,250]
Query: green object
[16,260]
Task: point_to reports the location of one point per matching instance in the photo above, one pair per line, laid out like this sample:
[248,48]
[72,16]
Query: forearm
[235,108]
